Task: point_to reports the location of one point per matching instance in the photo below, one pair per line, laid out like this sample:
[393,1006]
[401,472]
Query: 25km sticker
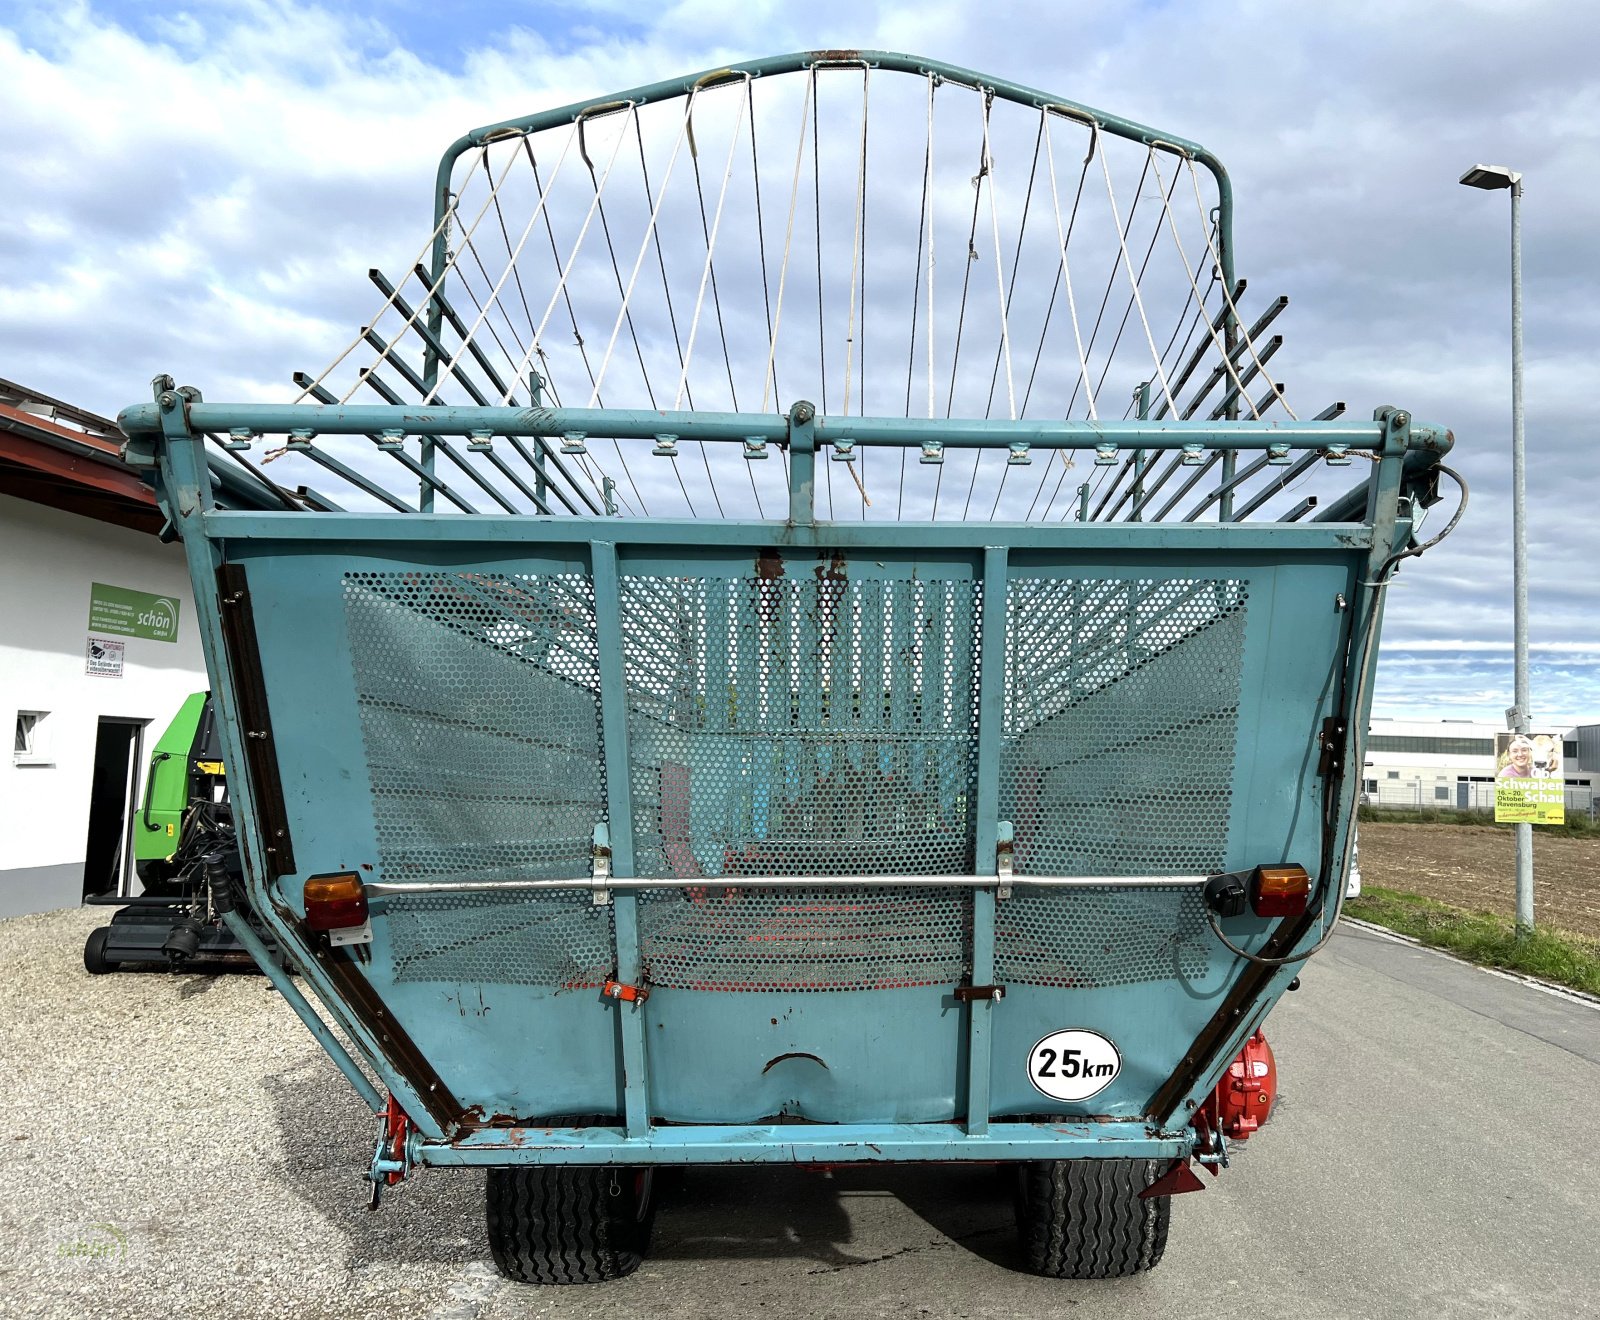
[1073,1065]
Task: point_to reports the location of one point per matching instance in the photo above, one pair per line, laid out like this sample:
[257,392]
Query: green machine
[184,847]
[185,767]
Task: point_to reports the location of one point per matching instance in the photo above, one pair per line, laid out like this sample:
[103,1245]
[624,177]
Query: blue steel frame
[1366,529]
[169,436]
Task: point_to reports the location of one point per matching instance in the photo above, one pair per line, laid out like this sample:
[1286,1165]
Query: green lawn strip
[1483,937]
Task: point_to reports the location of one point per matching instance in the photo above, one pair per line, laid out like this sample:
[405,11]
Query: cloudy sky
[199,190]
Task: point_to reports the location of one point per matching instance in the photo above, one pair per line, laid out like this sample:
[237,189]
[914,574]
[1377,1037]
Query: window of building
[1394,742]
[31,745]
[1570,748]
[1369,785]
[1392,774]
[1441,794]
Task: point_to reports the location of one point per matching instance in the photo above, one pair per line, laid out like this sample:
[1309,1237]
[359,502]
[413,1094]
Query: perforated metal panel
[805,939]
[1084,939]
[1122,701]
[553,938]
[801,726]
[480,721]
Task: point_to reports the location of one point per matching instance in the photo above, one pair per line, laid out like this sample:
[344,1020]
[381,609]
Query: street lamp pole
[1494,177]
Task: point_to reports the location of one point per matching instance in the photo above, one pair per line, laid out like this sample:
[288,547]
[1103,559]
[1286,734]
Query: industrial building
[1450,764]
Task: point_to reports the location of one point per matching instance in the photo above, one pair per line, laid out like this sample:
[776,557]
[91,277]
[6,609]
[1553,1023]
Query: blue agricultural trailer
[804,630]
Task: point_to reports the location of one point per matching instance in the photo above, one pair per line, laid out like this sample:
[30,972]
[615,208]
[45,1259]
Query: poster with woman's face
[1528,782]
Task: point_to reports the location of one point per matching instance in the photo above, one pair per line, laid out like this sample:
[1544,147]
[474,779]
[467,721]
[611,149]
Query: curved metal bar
[804,61]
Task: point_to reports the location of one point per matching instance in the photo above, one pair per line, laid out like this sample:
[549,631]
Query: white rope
[444,224]
[858,270]
[857,256]
[516,252]
[1227,293]
[1066,270]
[1133,280]
[1229,365]
[769,380]
[644,248]
[449,265]
[572,256]
[927,193]
[999,261]
[711,245]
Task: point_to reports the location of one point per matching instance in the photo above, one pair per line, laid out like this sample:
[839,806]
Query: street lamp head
[1491,177]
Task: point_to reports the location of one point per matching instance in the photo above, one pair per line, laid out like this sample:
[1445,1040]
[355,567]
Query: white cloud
[203,193]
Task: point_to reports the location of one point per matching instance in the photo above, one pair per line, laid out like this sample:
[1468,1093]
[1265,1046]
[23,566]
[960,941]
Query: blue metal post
[186,479]
[619,808]
[802,462]
[991,718]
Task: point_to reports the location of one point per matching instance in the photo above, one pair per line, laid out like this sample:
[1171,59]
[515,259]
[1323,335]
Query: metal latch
[1004,857]
[600,867]
[1332,745]
[628,994]
[968,994]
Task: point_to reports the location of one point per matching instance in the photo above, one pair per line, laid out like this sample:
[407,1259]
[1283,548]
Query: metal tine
[1217,373]
[1239,478]
[1194,479]
[1131,491]
[1246,376]
[1233,483]
[324,395]
[288,500]
[409,375]
[1116,482]
[369,376]
[1300,510]
[431,340]
[413,379]
[1274,488]
[1250,337]
[1272,396]
[1153,487]
[460,327]
[1205,345]
[318,501]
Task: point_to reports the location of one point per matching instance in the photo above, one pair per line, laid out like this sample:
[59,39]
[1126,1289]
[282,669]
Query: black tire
[1083,1219]
[95,961]
[569,1224]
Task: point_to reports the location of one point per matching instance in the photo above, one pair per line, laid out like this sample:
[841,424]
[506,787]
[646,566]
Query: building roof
[54,453]
[69,458]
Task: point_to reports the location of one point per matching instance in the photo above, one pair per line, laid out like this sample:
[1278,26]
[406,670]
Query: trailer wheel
[1083,1219]
[95,961]
[569,1224]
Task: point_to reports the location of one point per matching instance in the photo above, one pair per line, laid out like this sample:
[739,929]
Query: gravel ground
[179,1146]
[197,1117]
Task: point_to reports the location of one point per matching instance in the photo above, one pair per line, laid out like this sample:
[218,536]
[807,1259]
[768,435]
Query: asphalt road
[1432,1156]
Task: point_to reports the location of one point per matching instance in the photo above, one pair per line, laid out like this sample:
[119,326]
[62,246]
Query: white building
[1450,765]
[86,701]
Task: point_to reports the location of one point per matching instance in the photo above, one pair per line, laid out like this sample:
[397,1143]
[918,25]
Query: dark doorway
[107,851]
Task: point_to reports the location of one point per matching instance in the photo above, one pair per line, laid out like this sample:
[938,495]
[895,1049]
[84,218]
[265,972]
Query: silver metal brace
[1004,850]
[600,870]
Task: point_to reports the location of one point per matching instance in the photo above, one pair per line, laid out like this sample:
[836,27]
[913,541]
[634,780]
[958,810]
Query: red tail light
[1279,891]
[335,902]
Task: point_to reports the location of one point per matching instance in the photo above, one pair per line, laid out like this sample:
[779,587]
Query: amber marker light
[335,902]
[1280,891]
